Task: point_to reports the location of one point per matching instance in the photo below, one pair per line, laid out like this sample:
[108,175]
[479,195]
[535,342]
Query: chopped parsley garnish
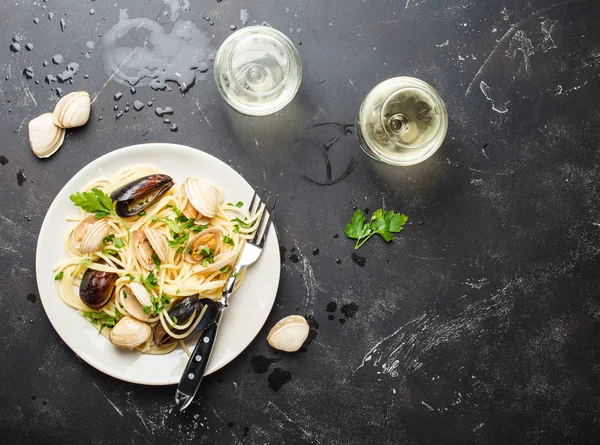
[59,275]
[225,269]
[205,251]
[158,304]
[109,251]
[108,239]
[118,243]
[383,223]
[142,214]
[146,309]
[238,205]
[156,261]
[86,261]
[239,222]
[235,274]
[228,240]
[103,319]
[177,291]
[150,281]
[174,319]
[131,277]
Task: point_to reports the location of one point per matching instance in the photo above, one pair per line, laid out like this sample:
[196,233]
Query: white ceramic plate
[242,321]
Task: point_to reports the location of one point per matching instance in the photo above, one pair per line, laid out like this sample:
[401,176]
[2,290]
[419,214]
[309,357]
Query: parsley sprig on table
[98,203]
[383,223]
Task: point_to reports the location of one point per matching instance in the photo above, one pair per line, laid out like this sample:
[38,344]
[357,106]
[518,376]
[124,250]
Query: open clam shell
[210,238]
[220,261]
[129,333]
[139,194]
[72,110]
[134,298]
[89,234]
[148,245]
[203,196]
[45,137]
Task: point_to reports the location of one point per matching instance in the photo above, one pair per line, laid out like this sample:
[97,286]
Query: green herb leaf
[174,319]
[86,261]
[228,240]
[238,204]
[96,202]
[156,261]
[239,222]
[118,314]
[108,239]
[225,269]
[109,251]
[177,291]
[59,276]
[146,309]
[142,214]
[383,223]
[118,243]
[150,281]
[236,229]
[131,277]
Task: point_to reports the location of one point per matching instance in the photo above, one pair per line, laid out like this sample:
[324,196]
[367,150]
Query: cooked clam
[181,311]
[138,195]
[72,110]
[129,333]
[135,298]
[289,333]
[89,234]
[202,245]
[219,262]
[149,245]
[96,287]
[45,137]
[203,197]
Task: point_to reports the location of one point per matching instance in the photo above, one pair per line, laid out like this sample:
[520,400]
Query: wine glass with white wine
[402,121]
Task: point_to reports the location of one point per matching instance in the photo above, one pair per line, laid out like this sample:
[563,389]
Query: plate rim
[90,165]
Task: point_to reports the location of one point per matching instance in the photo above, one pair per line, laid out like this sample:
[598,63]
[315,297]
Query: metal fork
[194,370]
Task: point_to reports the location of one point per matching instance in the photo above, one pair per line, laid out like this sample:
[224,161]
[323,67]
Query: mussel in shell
[97,287]
[138,195]
[181,311]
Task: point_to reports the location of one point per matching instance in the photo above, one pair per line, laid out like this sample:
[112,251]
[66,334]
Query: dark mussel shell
[182,311]
[134,197]
[97,287]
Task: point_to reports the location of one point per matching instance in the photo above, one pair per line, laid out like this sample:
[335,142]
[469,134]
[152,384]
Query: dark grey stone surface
[481,323]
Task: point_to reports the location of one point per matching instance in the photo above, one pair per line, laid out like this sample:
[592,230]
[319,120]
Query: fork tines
[256,205]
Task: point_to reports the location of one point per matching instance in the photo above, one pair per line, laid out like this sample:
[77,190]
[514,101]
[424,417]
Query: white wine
[402,121]
[258,70]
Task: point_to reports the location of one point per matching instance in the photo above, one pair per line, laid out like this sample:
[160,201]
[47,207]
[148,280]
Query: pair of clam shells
[89,235]
[148,242]
[47,132]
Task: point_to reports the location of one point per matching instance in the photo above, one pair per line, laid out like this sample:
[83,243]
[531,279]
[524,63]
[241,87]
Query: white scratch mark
[446,43]
[291,421]
[505,173]
[478,426]
[484,154]
[113,74]
[426,405]
[487,92]
[256,142]
[520,42]
[547,27]
[28,93]
[508,35]
[308,275]
[109,401]
[202,112]
[350,80]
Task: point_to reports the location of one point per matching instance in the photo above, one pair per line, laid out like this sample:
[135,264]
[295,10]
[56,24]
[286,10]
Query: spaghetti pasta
[188,266]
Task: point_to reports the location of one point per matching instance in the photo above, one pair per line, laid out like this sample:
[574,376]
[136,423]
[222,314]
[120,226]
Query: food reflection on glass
[147,257]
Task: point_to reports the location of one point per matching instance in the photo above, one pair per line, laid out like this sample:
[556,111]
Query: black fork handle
[194,370]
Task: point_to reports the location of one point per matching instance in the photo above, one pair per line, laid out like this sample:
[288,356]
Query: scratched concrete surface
[479,324]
